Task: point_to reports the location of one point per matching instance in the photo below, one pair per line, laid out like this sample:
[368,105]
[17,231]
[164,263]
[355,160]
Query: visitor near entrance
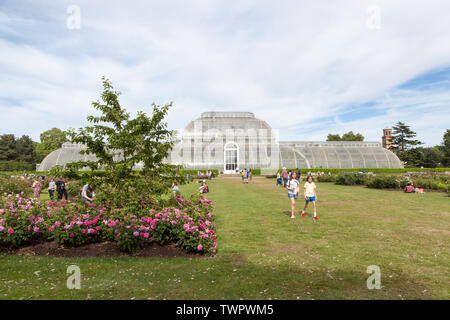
[292,187]
[310,196]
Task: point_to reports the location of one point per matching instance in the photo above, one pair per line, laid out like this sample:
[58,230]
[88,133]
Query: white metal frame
[230,146]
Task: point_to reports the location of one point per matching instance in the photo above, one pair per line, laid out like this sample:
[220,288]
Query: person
[51,188]
[37,187]
[175,189]
[210,175]
[284,175]
[419,190]
[188,177]
[245,176]
[203,188]
[278,178]
[242,175]
[410,188]
[250,174]
[87,193]
[61,188]
[299,174]
[292,187]
[310,195]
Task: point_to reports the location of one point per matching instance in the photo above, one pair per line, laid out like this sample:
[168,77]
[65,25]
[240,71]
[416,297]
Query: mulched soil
[105,249]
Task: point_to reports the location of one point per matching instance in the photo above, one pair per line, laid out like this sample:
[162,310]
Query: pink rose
[83,231]
[199,247]
[10,230]
[72,235]
[135,233]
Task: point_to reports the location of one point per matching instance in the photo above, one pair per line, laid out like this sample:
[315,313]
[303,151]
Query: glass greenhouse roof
[203,145]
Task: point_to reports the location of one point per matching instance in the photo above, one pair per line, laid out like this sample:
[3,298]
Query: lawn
[263,254]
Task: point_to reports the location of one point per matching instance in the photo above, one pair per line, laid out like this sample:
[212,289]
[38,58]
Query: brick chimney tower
[387,138]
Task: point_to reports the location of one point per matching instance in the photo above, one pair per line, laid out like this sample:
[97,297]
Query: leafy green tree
[51,140]
[121,143]
[445,148]
[333,137]
[349,136]
[423,157]
[25,150]
[8,150]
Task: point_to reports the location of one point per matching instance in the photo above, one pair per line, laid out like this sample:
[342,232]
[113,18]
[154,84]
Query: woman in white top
[310,195]
[292,187]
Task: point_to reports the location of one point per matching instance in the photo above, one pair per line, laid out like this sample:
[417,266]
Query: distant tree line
[409,150]
[17,154]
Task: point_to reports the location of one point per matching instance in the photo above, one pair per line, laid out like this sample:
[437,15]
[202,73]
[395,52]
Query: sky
[308,68]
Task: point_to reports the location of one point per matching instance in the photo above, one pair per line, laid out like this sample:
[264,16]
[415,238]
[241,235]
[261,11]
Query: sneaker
[315,218]
[303,214]
[292,217]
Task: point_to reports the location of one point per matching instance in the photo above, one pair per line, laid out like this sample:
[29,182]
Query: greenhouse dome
[229,141]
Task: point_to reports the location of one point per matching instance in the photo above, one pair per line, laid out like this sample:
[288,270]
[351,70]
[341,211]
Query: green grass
[264,254]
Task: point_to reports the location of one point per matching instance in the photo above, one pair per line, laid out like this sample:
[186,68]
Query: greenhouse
[229,141]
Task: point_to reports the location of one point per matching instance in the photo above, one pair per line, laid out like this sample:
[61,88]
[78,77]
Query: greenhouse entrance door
[231,157]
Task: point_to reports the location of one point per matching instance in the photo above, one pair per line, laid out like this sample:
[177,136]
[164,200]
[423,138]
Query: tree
[402,138]
[121,143]
[25,150]
[333,137]
[51,140]
[445,148]
[349,136]
[423,157]
[8,147]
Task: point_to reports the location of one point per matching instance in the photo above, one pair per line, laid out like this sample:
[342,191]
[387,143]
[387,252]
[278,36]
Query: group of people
[60,187]
[284,176]
[202,189]
[411,189]
[292,184]
[246,175]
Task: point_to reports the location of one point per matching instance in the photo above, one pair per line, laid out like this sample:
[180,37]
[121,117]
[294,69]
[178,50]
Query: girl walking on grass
[310,196]
[293,186]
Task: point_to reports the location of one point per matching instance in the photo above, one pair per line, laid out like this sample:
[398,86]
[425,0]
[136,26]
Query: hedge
[374,170]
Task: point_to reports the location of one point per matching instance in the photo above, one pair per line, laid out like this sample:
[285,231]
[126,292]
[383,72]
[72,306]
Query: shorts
[292,196]
[311,199]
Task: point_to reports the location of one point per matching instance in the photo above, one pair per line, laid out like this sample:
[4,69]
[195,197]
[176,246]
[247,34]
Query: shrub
[351,178]
[15,186]
[381,182]
[326,178]
[188,222]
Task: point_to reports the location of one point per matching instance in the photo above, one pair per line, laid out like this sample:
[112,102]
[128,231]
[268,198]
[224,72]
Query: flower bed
[188,222]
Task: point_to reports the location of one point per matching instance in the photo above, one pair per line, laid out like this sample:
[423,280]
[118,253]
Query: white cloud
[292,63]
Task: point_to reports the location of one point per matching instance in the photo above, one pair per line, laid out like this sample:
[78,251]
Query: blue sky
[308,68]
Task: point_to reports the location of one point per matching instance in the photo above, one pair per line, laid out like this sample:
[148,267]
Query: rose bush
[188,222]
